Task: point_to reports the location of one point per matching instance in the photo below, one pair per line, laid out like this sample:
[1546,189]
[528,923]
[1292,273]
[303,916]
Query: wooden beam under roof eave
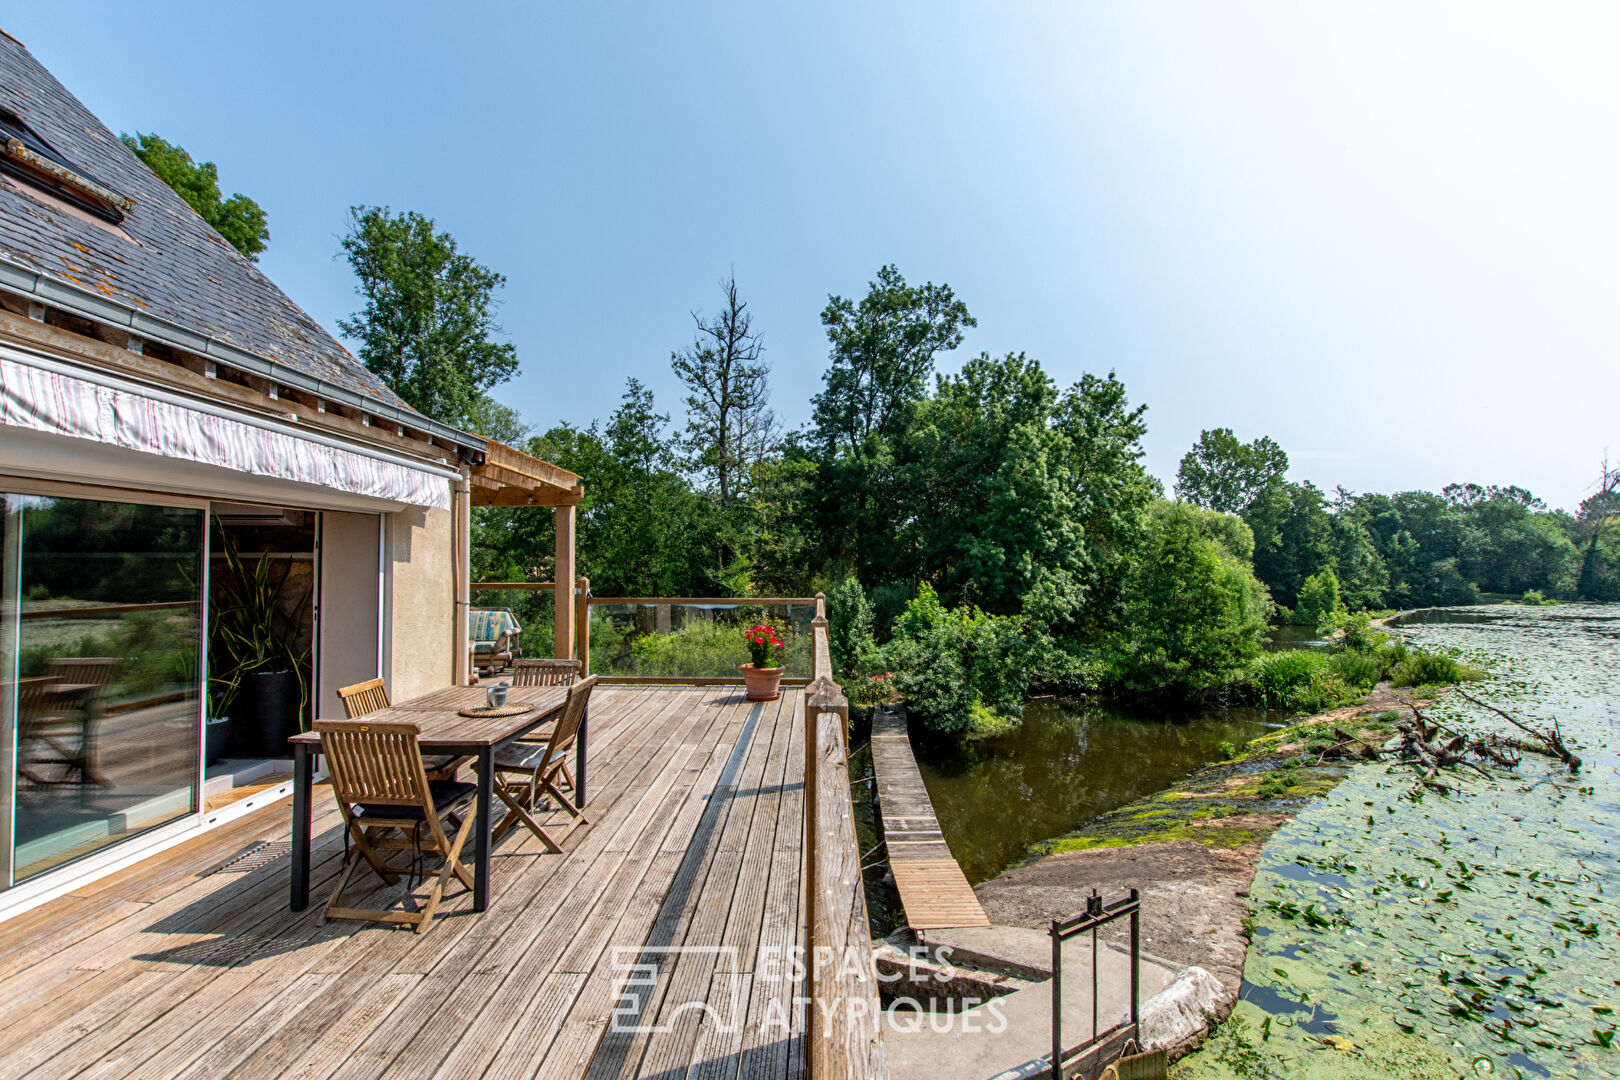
[516,496]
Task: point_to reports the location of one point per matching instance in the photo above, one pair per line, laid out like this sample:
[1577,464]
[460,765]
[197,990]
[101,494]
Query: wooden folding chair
[544,672]
[525,771]
[367,697]
[389,804]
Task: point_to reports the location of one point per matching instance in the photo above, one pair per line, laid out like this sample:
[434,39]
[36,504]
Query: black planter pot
[216,738]
[273,699]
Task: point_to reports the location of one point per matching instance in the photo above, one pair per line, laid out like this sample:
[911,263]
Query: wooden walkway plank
[621,1051]
[448,966]
[731,902]
[167,970]
[933,890]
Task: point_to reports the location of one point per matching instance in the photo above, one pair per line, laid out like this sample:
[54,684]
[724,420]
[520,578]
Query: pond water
[1475,933]
[1289,636]
[1066,763]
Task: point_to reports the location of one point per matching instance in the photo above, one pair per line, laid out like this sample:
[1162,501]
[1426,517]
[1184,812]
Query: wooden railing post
[842,1039]
[582,624]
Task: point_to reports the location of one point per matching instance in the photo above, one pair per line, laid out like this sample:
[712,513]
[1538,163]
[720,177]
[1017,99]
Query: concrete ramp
[933,890]
[1009,1038]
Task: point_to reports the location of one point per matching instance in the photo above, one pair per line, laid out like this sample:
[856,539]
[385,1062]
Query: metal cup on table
[496,695]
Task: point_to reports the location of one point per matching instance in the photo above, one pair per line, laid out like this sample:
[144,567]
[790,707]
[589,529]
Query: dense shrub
[702,647]
[1295,680]
[850,631]
[1361,669]
[960,669]
[1194,615]
[1319,600]
[1423,668]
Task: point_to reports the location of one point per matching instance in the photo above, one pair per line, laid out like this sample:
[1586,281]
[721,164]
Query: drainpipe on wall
[463,580]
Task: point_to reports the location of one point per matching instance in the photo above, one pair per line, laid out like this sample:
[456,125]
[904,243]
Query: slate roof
[168,263]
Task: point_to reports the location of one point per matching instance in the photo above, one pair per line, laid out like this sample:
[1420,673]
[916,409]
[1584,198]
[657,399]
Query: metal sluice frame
[1096,916]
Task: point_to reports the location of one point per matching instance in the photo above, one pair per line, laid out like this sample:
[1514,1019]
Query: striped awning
[41,395]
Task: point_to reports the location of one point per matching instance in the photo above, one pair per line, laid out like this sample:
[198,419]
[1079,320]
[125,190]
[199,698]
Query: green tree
[987,513]
[1516,547]
[1422,539]
[429,315]
[650,534]
[1110,491]
[960,669]
[1363,577]
[1194,615]
[1293,538]
[1319,600]
[240,220]
[1596,526]
[883,351]
[1223,474]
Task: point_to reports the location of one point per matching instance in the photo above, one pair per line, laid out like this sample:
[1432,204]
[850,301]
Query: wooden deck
[192,965]
[933,890]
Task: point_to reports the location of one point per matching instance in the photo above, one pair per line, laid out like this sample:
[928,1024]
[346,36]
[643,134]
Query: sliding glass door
[102,618]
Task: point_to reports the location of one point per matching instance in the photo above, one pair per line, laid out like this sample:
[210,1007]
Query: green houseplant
[257,675]
[763,677]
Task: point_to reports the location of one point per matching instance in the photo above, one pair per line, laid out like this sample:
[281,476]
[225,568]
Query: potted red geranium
[763,677]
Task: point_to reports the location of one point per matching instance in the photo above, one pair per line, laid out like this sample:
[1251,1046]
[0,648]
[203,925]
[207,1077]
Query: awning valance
[42,395]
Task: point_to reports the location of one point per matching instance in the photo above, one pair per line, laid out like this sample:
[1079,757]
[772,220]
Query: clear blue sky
[1385,235]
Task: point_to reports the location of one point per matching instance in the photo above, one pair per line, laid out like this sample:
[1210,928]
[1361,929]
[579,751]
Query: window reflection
[103,621]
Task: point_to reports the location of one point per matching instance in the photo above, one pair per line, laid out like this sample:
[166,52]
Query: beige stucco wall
[418,652]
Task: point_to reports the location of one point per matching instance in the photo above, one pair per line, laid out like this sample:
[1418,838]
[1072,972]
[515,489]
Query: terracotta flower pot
[763,684]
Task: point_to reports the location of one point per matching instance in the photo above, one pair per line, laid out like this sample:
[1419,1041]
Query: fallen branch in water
[1432,748]
[1548,743]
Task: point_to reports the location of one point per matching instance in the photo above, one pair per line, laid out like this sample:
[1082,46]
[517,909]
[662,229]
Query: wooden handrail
[513,585]
[706,601]
[843,1038]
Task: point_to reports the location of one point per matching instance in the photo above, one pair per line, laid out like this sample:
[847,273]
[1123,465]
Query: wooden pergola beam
[516,496]
[499,456]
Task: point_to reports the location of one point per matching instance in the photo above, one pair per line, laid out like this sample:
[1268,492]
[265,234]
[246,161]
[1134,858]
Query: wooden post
[582,619]
[564,613]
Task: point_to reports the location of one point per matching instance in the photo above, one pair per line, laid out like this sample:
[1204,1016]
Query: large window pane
[104,608]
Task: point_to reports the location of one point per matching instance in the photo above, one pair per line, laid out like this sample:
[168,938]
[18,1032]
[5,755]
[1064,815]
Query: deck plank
[166,970]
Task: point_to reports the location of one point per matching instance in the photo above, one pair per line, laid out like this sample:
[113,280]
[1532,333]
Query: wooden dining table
[441,730]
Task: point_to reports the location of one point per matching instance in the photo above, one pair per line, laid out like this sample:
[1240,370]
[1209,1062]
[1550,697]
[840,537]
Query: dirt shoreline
[1191,850]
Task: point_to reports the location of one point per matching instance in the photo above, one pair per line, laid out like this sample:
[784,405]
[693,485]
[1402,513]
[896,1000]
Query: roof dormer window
[26,156]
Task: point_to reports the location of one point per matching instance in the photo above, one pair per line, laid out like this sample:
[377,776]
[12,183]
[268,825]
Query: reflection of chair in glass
[36,736]
[81,689]
[523,771]
[369,696]
[388,803]
[57,719]
[494,635]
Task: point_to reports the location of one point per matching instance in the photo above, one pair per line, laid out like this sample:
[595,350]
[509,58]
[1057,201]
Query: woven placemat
[489,712]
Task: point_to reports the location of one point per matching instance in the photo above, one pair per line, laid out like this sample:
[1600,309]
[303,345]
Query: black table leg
[303,780]
[579,759]
[486,792]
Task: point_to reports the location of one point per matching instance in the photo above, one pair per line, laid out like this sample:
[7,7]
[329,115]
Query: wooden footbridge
[933,890]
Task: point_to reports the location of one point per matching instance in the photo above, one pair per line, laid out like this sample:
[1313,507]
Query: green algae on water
[1481,927]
